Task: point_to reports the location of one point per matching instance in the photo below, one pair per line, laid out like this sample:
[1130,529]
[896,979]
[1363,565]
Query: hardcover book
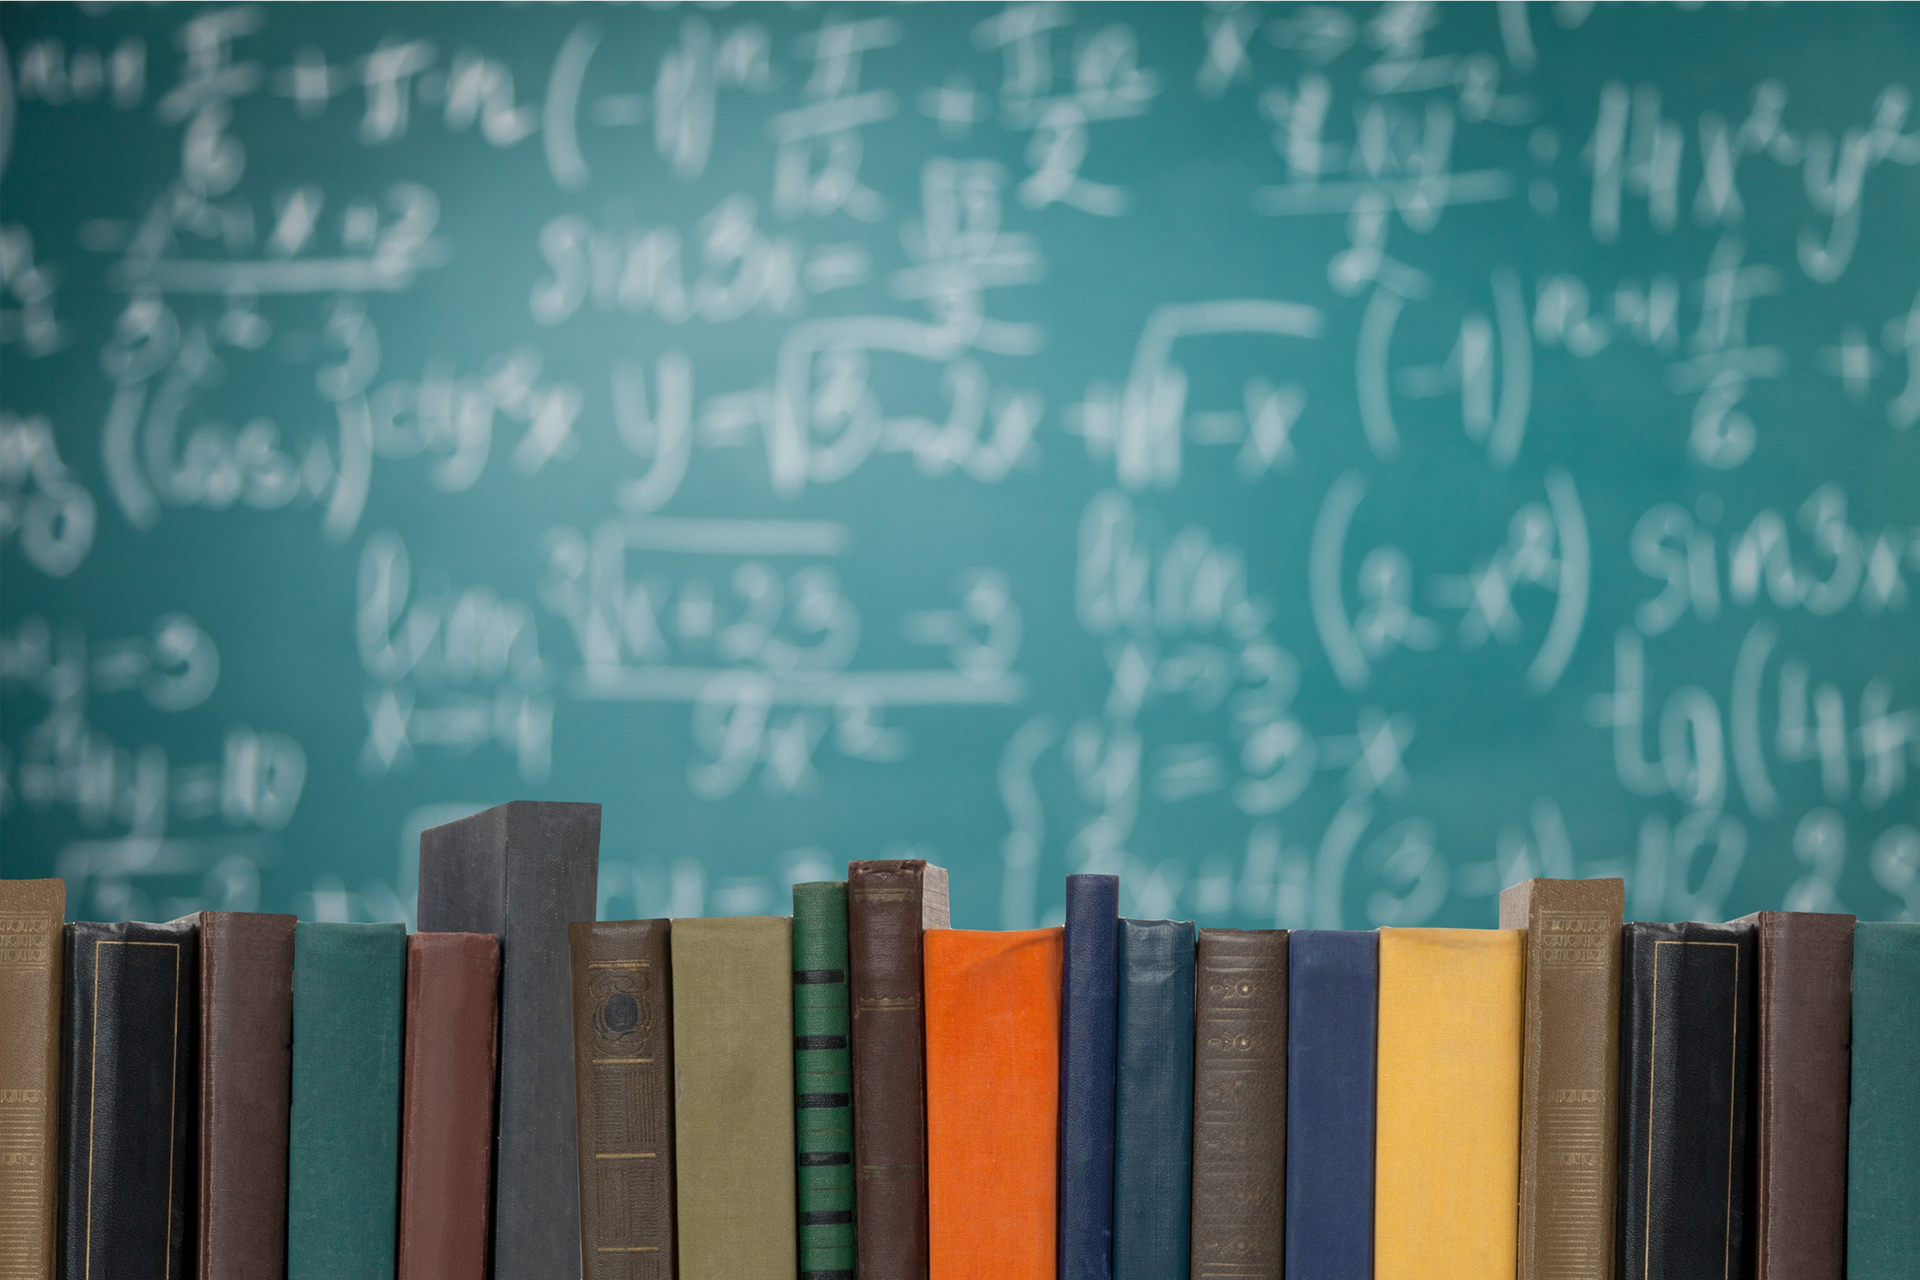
[1153,1109]
[1239,1103]
[1333,980]
[623,1078]
[993,1079]
[1446,1151]
[733,1109]
[1088,1041]
[523,872]
[1883,1143]
[890,905]
[31,950]
[1570,1074]
[822,1081]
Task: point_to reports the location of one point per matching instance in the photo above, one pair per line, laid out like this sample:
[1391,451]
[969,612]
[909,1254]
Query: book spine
[1446,1168]
[1570,1074]
[1088,1040]
[31,956]
[1883,1139]
[1153,1102]
[822,1082]
[1239,1097]
[889,906]
[623,1074]
[1333,980]
[130,1097]
[446,1108]
[733,1090]
[246,1052]
[1686,1041]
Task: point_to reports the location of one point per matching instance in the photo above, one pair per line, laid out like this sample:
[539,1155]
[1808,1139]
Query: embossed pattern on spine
[1239,1103]
[31,912]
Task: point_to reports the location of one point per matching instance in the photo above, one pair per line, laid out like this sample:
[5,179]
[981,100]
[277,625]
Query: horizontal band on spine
[814,1101]
[827,1218]
[825,977]
[815,1159]
[819,1042]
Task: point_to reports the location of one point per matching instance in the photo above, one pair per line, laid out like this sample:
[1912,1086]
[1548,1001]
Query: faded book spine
[31,912]
[1153,1102]
[1239,1104]
[822,1082]
[623,1075]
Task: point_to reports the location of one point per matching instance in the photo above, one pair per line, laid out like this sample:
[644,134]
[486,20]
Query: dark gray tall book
[524,872]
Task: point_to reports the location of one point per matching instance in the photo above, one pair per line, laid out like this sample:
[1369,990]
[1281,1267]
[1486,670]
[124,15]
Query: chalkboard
[1323,463]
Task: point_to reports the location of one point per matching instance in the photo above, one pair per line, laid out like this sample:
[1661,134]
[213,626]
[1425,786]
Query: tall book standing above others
[822,1081]
[1883,1143]
[30,964]
[1153,1102]
[523,872]
[890,905]
[1570,1074]
[1089,1000]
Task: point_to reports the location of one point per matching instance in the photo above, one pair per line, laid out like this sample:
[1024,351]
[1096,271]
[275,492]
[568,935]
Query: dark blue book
[1153,1118]
[1089,996]
[1333,980]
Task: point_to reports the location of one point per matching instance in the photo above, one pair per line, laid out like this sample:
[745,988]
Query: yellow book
[1447,1144]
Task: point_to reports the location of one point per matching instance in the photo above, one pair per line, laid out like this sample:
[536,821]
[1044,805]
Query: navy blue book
[1089,996]
[1333,980]
[1153,1119]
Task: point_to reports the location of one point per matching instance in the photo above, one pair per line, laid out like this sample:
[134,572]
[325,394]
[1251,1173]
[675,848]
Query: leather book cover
[31,956]
[343,1138]
[1883,1140]
[1239,1102]
[993,1080]
[523,872]
[822,1081]
[733,1097]
[1447,1136]
[129,1099]
[1569,1074]
[1686,1048]
[1799,1193]
[1153,1102]
[1333,981]
[623,1078]
[246,1081]
[1089,1001]
[446,1105]
[889,906]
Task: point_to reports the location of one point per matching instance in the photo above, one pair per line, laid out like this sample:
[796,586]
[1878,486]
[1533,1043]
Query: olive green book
[1883,1141]
[822,1081]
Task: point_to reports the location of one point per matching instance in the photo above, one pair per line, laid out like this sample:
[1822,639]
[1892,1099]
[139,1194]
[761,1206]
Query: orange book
[993,1090]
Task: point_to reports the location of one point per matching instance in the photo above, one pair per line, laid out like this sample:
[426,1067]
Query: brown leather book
[1799,1188]
[246,1078]
[31,913]
[446,1108]
[890,905]
[622,1071]
[1239,1103]
[1569,1074]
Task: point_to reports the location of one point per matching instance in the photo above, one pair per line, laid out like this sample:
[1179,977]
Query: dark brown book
[446,1106]
[1799,1188]
[623,1073]
[246,1081]
[890,905]
[1239,1103]
[31,912]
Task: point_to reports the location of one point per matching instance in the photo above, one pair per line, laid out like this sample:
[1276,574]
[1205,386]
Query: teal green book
[1883,1120]
[822,1081]
[343,1142]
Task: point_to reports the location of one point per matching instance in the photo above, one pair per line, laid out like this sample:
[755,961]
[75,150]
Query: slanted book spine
[1333,980]
[1883,1144]
[822,1081]
[1153,1108]
[1088,1040]
[31,912]
[1239,1103]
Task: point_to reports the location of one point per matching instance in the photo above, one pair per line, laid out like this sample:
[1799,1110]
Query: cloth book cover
[523,872]
[733,1090]
[1239,1103]
[1570,1074]
[1333,980]
[246,1073]
[889,906]
[31,956]
[623,1079]
[1088,1041]
[1883,1142]
[1686,1047]
[1153,1102]
[343,1140]
[822,1081]
[130,1098]
[993,1080]
[446,1104]
[1447,1137]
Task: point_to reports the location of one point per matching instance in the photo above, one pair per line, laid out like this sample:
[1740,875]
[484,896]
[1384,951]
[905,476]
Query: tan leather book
[246,1078]
[623,1074]
[31,913]
[446,1105]
[733,1098]
[1569,1074]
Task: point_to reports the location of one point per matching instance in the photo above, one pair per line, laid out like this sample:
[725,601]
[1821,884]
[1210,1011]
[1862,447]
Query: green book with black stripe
[822,1081]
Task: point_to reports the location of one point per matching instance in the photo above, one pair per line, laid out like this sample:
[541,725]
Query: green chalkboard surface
[1324,463]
